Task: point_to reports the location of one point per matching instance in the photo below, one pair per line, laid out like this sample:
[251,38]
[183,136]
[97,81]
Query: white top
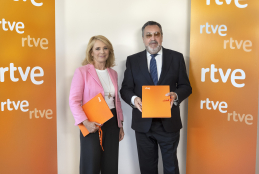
[107,87]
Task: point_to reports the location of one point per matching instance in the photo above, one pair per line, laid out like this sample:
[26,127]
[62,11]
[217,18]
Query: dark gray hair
[151,23]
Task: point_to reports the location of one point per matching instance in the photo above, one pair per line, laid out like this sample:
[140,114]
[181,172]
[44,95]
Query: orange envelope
[96,110]
[154,102]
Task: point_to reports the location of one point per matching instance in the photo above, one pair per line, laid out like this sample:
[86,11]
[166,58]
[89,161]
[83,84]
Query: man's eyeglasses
[156,34]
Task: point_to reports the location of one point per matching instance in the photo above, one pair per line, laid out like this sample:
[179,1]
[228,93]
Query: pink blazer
[86,85]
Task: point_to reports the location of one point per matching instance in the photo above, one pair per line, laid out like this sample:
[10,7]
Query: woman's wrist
[85,121]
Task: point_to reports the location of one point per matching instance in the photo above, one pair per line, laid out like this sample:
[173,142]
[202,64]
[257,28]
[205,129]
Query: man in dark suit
[156,66]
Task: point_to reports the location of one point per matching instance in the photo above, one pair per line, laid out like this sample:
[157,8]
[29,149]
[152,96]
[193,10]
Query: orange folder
[96,110]
[154,102]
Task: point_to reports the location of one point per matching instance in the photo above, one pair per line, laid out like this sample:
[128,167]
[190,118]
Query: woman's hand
[121,135]
[92,127]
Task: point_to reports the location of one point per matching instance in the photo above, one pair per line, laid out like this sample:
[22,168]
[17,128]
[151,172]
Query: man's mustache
[153,42]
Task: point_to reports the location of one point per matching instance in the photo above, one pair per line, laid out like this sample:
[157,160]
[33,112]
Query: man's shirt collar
[159,52]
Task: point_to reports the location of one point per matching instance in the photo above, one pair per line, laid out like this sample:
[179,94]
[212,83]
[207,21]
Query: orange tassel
[101,137]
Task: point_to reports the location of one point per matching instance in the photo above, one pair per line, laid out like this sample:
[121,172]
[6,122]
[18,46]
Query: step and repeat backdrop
[28,140]
[223,109]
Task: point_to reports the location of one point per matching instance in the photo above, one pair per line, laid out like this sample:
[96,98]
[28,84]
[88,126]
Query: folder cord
[101,137]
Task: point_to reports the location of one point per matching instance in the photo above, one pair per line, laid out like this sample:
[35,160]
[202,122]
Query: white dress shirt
[158,62]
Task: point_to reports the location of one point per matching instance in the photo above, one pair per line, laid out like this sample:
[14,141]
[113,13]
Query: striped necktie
[153,68]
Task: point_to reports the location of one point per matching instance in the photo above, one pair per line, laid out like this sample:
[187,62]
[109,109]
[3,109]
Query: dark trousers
[92,158]
[147,144]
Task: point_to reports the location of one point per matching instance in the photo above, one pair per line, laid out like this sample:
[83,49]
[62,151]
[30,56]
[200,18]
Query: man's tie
[153,68]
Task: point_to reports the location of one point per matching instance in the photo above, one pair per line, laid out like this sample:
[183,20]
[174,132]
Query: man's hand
[138,103]
[92,127]
[173,96]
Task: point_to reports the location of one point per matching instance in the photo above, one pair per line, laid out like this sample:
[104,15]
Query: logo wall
[28,141]
[223,109]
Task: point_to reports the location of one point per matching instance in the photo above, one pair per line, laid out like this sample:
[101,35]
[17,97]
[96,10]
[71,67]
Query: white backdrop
[121,22]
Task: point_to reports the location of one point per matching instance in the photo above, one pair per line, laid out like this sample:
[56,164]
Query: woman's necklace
[109,90]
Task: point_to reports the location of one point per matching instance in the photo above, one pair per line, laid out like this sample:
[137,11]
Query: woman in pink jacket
[96,76]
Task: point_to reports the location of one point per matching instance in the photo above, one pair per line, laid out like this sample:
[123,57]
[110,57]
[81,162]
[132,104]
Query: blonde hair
[110,62]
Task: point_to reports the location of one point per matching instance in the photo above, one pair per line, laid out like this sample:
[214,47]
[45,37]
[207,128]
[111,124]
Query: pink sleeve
[76,97]
[119,110]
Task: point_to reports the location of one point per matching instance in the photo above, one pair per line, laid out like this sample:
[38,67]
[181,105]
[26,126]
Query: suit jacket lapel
[93,73]
[166,62]
[143,67]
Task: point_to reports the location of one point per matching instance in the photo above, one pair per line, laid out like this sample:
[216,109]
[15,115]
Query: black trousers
[92,158]
[147,144]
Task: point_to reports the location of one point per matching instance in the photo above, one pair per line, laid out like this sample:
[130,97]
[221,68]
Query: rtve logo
[219,2]
[34,3]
